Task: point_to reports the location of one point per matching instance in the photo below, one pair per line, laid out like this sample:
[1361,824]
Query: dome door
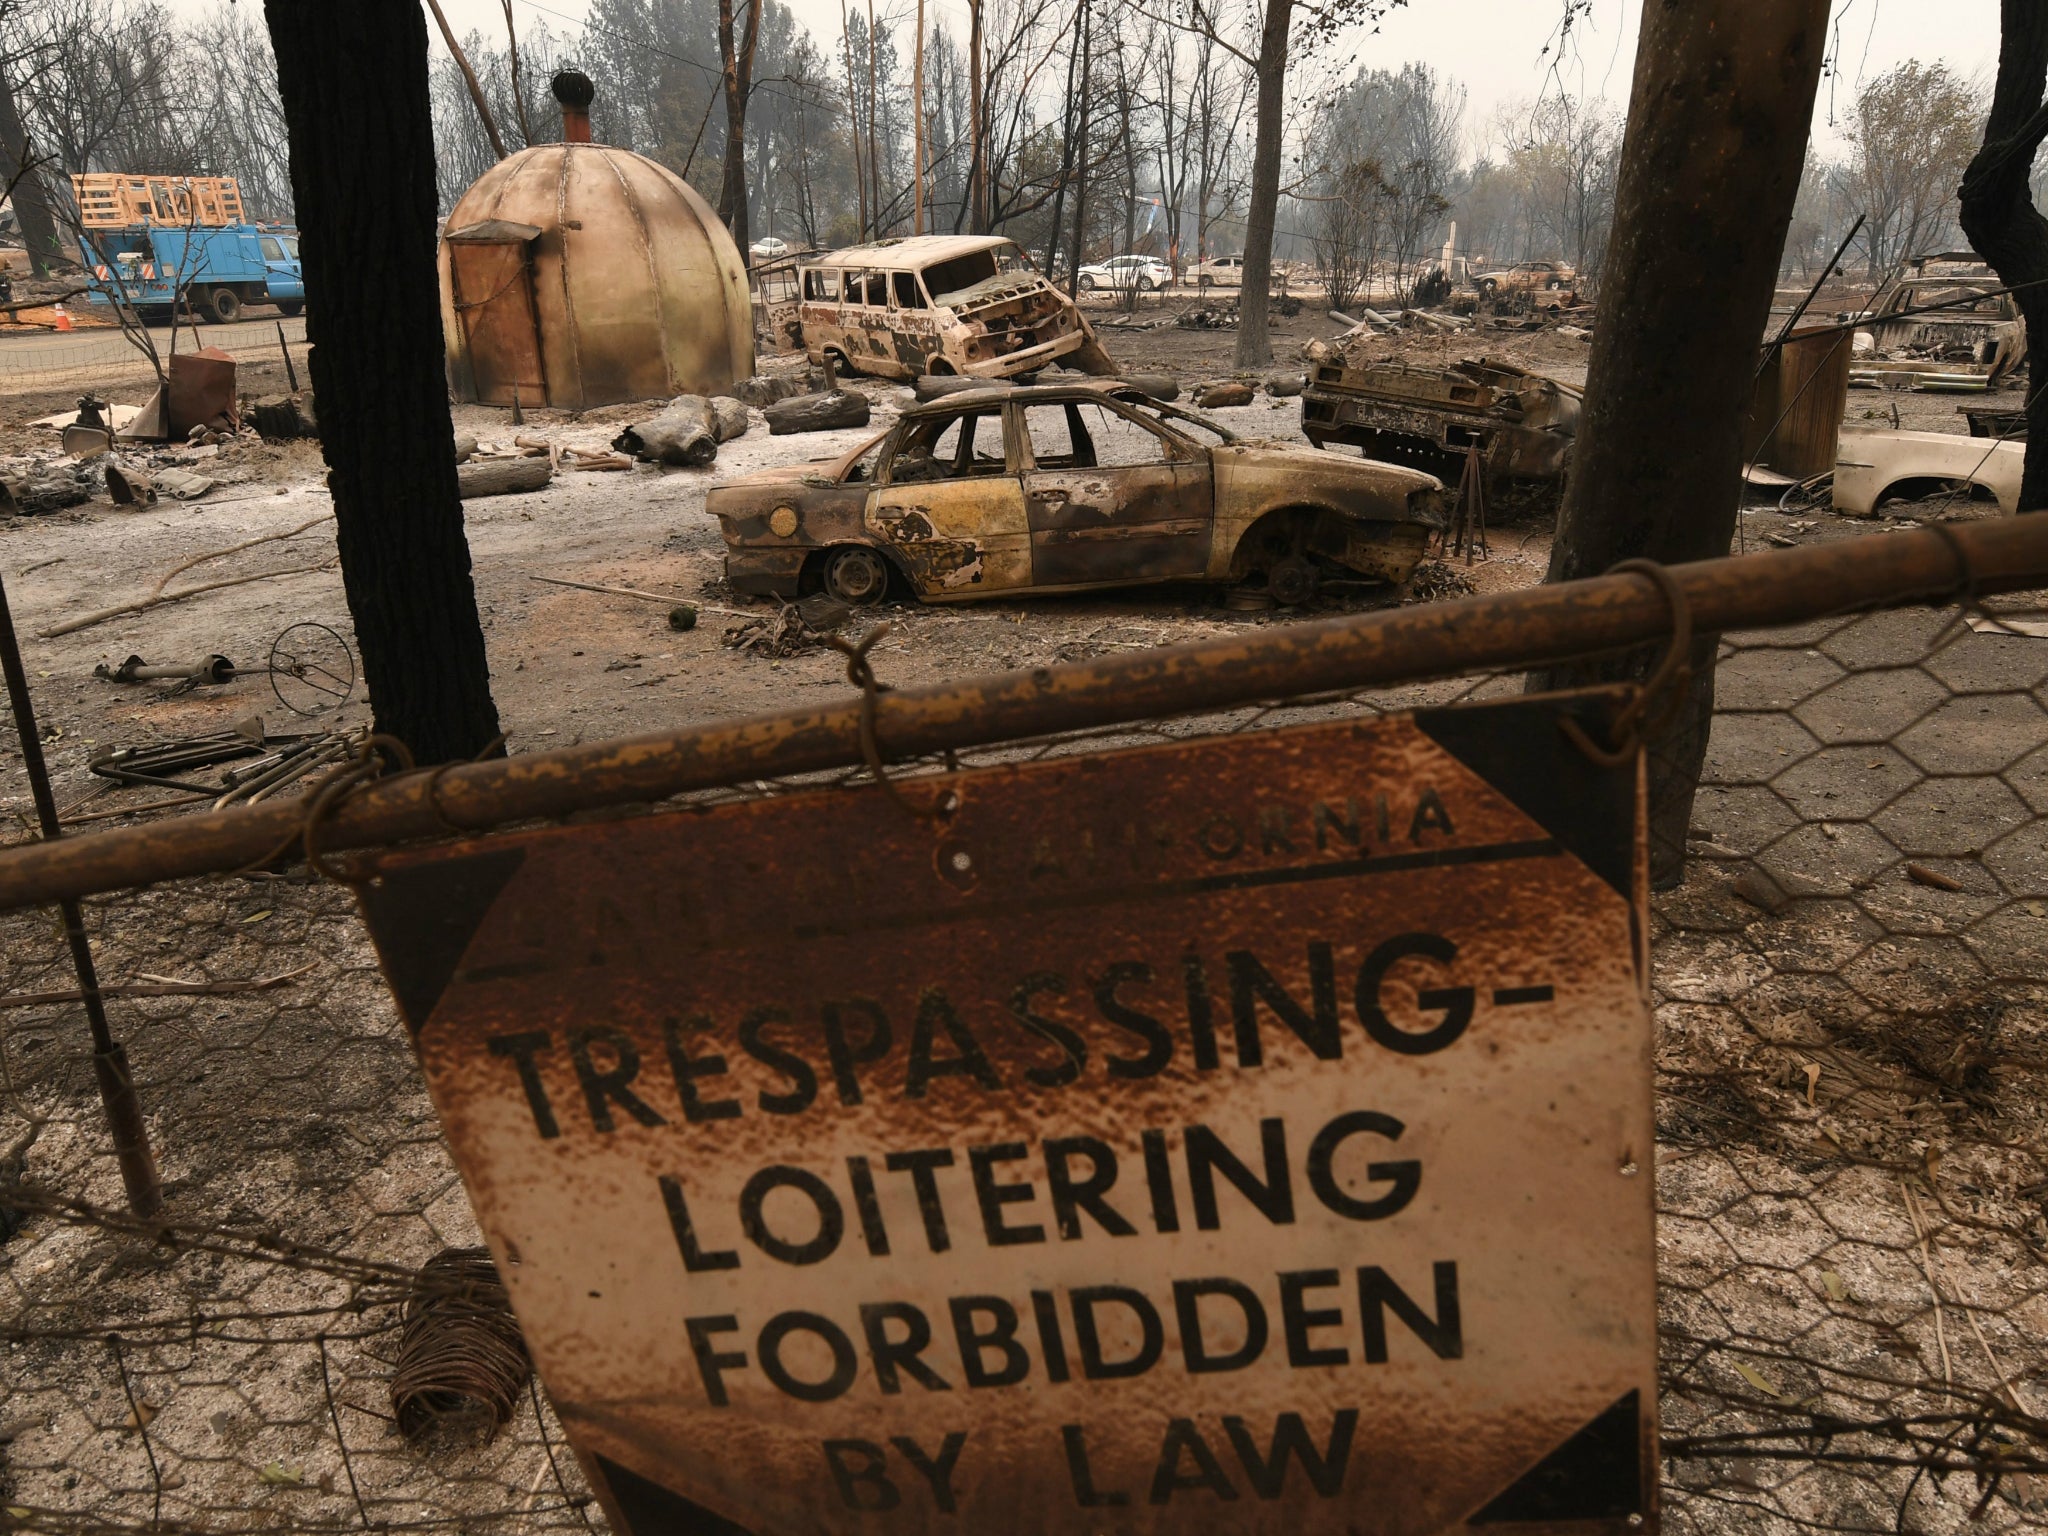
[491,268]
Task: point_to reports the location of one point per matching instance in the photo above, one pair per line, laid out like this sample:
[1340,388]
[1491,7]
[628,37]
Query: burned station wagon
[1006,490]
[970,305]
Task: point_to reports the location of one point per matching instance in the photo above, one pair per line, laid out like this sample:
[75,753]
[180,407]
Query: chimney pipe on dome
[574,91]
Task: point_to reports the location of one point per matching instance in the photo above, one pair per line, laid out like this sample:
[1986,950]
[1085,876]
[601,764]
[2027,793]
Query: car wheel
[1489,287]
[1144,285]
[1087,283]
[224,305]
[1291,581]
[1204,281]
[856,574]
[291,307]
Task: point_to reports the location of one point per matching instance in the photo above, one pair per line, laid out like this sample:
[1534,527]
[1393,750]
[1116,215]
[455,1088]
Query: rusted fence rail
[1531,628]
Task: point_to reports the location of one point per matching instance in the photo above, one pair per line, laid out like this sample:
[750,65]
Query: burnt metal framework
[1538,627]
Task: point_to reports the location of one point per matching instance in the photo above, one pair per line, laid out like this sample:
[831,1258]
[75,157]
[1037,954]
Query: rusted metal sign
[1256,1129]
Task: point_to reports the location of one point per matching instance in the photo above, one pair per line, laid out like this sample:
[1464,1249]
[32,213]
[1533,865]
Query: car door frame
[960,537]
[1115,525]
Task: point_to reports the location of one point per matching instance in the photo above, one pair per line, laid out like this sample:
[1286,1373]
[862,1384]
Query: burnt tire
[856,575]
[1489,287]
[223,306]
[1292,582]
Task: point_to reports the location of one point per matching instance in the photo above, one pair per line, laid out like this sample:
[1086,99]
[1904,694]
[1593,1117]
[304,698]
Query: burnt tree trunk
[17,168]
[1999,216]
[1254,346]
[353,79]
[738,72]
[1717,129]
[1077,253]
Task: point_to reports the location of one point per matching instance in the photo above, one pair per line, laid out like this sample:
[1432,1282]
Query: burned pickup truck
[1427,418]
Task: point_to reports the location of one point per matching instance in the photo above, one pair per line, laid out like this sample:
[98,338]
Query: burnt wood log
[684,432]
[282,417]
[817,413]
[502,477]
[1160,386]
[729,418]
[932,386]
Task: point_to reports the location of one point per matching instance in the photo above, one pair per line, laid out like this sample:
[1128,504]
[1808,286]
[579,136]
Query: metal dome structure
[578,275]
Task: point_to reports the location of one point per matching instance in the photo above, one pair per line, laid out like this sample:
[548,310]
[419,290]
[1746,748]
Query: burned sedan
[1003,491]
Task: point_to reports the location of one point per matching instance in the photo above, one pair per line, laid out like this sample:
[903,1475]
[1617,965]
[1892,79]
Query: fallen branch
[235,549]
[157,595]
[650,597]
[159,599]
[158,989]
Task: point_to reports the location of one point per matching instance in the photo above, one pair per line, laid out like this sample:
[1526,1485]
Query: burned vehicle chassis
[1523,424]
[1000,491]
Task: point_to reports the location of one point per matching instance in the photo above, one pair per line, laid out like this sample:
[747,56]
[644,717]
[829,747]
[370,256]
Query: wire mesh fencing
[102,357]
[1851,990]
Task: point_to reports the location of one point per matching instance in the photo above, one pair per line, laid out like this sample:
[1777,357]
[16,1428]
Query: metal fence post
[109,1061]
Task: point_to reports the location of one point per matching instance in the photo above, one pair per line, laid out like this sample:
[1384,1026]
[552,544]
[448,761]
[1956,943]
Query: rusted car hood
[781,474]
[1326,472]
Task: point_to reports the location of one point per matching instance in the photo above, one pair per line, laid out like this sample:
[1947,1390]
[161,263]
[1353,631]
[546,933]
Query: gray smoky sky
[1504,52]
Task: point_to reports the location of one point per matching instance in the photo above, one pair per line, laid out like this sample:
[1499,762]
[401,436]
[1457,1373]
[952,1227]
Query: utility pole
[977,169]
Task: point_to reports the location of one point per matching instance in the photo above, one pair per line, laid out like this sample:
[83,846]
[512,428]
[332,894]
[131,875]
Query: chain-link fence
[1852,1008]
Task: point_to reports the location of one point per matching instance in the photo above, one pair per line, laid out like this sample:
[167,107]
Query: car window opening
[1126,442]
[950,448]
[908,294]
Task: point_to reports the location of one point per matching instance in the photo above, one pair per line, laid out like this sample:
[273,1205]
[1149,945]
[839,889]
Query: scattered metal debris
[462,1362]
[798,627]
[1436,580]
[208,669]
[264,763]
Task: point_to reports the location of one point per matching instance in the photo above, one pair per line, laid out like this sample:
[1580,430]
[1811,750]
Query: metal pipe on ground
[1539,626]
[109,1061]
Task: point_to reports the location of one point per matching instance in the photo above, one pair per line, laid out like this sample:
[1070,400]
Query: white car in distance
[1144,273]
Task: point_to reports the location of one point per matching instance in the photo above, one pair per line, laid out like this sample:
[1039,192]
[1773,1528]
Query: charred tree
[737,70]
[1254,345]
[353,79]
[1999,216]
[22,178]
[1717,129]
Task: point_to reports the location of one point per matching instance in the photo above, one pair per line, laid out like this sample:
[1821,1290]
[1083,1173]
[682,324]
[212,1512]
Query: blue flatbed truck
[215,271]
